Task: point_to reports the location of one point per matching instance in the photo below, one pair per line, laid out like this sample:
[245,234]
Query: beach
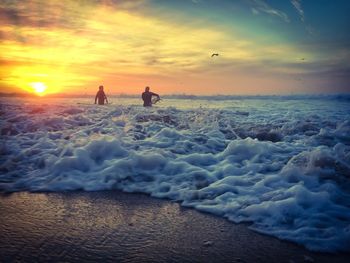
[112,226]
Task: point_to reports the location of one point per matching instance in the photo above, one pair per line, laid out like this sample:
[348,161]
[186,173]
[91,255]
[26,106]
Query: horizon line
[174,95]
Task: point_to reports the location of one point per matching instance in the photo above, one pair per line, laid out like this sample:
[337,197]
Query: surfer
[147,98]
[101,96]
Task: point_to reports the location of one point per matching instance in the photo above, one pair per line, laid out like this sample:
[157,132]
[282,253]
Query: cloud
[88,46]
[255,12]
[70,46]
[261,6]
[122,4]
[44,14]
[297,6]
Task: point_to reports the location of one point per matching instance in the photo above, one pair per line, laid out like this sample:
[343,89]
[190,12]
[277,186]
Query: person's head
[147,89]
[100,87]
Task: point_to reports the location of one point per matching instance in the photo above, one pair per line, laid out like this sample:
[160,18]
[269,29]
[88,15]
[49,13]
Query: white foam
[282,165]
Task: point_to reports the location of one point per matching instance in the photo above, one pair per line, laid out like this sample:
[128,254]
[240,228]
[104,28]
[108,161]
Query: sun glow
[38,87]
[125,45]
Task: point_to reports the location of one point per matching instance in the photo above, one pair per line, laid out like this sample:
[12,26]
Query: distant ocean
[281,163]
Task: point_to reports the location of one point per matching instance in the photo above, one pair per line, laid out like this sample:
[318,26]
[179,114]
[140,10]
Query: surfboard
[155,100]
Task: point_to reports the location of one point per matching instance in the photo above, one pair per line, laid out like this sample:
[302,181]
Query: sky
[263,46]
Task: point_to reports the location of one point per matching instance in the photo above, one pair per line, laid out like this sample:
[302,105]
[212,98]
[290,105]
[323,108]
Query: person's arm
[155,94]
[106,99]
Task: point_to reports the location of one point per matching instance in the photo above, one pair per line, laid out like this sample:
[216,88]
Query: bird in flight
[302,58]
[214,54]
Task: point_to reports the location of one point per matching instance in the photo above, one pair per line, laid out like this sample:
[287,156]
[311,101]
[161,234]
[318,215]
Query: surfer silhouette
[101,96]
[147,98]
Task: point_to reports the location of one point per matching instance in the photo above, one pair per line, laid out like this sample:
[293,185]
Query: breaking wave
[281,165]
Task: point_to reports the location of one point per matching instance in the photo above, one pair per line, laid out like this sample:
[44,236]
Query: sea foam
[281,165]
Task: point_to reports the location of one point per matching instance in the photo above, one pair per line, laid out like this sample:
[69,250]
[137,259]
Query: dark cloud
[12,16]
[42,14]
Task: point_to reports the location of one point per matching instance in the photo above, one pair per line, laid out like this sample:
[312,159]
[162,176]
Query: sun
[38,87]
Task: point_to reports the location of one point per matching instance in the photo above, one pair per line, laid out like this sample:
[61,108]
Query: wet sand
[112,226]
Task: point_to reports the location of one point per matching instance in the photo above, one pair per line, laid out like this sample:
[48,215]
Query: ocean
[279,163]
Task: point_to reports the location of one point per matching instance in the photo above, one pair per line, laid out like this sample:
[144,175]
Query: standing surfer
[147,98]
[101,96]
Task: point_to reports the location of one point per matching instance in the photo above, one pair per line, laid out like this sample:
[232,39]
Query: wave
[282,167]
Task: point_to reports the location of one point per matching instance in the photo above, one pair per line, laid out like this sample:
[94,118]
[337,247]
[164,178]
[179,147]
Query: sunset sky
[264,46]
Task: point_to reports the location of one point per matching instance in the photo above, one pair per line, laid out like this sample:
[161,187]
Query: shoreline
[130,227]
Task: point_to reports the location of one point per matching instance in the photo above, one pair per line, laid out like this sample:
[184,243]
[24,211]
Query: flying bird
[214,54]
[302,58]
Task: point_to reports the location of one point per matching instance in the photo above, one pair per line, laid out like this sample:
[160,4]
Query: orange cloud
[71,47]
